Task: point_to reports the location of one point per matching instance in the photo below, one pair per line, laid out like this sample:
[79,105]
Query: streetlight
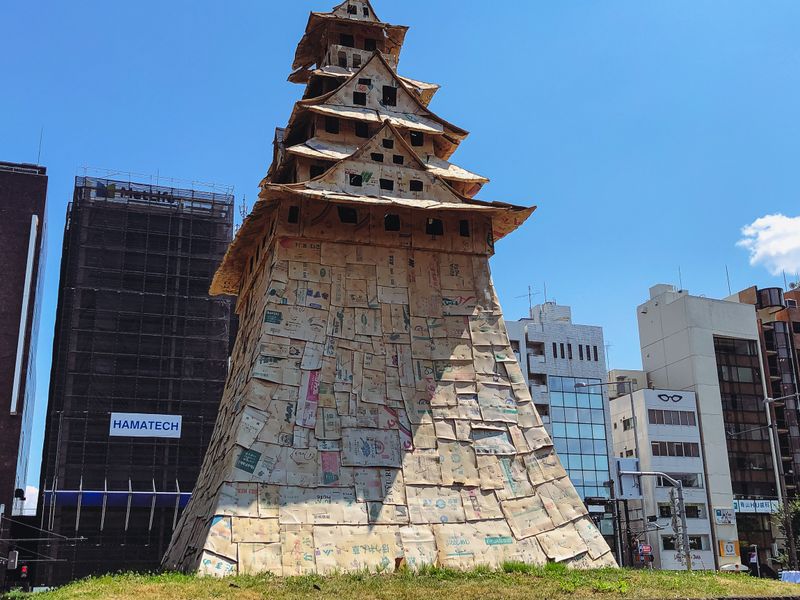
[629,383]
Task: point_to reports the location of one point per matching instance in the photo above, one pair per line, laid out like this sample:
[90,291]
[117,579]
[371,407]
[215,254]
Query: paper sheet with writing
[435,505]
[356,549]
[371,448]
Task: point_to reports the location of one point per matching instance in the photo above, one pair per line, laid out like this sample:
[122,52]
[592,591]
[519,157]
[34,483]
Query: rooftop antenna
[680,279]
[39,153]
[243,208]
[530,296]
[728,277]
[785,282]
[608,346]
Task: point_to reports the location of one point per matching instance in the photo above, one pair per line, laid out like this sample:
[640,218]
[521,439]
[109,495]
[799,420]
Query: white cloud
[774,243]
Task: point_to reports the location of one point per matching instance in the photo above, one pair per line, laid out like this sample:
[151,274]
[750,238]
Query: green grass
[514,581]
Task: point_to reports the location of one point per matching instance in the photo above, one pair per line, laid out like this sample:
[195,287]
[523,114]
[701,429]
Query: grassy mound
[513,581]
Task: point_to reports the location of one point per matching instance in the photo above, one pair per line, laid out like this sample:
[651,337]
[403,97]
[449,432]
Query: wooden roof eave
[505,219]
[324,150]
[307,49]
[423,89]
[455,132]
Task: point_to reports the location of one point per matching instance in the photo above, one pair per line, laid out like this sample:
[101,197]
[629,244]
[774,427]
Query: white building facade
[663,426]
[711,347]
[562,363]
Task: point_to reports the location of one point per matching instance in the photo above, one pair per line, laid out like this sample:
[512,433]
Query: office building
[627,381]
[564,364]
[711,347]
[23,191]
[555,355]
[661,427]
[778,318]
[139,364]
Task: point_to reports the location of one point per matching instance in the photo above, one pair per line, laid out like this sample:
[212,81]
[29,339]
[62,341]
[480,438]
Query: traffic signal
[13,557]
[23,572]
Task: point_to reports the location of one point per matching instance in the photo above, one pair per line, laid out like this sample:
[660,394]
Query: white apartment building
[710,347]
[663,424]
[562,362]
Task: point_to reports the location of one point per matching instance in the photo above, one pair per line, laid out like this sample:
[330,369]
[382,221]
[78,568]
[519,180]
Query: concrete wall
[677,332]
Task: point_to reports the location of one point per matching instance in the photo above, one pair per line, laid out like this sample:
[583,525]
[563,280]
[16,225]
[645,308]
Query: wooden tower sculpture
[375,414]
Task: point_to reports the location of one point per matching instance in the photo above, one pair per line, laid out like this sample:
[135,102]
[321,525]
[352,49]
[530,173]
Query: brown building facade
[23,189]
[779,329]
[139,363]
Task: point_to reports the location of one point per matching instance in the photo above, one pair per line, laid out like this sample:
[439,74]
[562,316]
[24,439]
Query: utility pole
[684,534]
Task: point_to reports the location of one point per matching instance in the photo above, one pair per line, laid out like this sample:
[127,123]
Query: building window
[675,449]
[672,417]
[352,9]
[377,157]
[689,480]
[696,542]
[343,59]
[628,453]
[627,424]
[398,159]
[588,352]
[417,138]
[366,11]
[370,44]
[569,351]
[347,214]
[332,124]
[562,350]
[356,61]
[434,227]
[555,350]
[391,222]
[580,351]
[388,143]
[365,81]
[416,185]
[389,95]
[316,170]
[362,130]
[463,228]
[595,354]
[359,98]
[294,214]
[346,40]
[356,179]
[387,184]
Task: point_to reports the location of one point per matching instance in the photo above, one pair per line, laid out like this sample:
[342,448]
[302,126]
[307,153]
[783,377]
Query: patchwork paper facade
[375,414]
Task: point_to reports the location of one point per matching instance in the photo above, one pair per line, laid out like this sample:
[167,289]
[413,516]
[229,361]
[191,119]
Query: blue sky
[649,133]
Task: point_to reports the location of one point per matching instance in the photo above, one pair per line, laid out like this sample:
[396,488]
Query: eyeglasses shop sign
[143,425]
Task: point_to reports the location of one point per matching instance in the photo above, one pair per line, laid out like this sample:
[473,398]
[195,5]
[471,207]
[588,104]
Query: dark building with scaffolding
[23,191]
[139,364]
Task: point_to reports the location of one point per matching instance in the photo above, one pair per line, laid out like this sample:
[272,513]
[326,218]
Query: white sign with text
[144,425]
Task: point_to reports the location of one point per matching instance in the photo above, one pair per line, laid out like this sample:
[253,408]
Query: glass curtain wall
[578,427]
